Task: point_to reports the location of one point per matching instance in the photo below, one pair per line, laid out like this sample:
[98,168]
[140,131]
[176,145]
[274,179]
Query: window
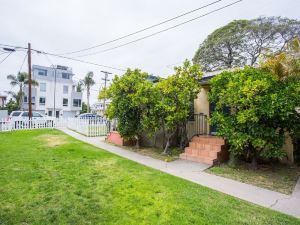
[77,102]
[25,99]
[65,102]
[42,100]
[35,114]
[66,89]
[25,114]
[32,100]
[16,114]
[65,75]
[42,72]
[43,87]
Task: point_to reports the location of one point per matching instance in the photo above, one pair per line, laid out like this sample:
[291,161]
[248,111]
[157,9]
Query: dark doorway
[212,128]
[57,114]
[49,113]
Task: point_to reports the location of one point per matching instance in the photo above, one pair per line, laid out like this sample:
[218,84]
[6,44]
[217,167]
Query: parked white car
[21,118]
[20,115]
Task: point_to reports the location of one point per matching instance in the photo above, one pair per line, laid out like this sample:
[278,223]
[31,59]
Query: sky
[60,26]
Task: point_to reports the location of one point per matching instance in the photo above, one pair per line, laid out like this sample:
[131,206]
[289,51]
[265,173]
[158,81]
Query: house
[207,147]
[2,99]
[98,107]
[56,93]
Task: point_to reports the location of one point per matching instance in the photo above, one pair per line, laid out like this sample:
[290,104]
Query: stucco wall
[201,104]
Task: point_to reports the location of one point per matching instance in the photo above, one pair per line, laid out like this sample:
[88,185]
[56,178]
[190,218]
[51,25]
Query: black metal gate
[197,125]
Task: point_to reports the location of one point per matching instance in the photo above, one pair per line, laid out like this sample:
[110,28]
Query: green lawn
[282,179]
[47,177]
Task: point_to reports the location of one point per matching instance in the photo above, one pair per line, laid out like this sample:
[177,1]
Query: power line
[23,62]
[161,31]
[69,58]
[6,57]
[142,30]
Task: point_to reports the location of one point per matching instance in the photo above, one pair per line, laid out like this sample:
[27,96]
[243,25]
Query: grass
[282,179]
[47,177]
[155,153]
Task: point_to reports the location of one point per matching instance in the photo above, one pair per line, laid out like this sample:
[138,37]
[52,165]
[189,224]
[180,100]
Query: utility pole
[29,82]
[105,80]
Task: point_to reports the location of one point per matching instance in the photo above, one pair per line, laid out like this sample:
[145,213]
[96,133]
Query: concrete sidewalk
[194,172]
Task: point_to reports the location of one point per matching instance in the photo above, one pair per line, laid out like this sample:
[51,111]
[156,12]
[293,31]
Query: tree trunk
[164,134]
[137,144]
[183,137]
[254,159]
[88,99]
[166,150]
[233,160]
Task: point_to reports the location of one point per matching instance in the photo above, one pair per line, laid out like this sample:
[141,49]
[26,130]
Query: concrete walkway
[194,172]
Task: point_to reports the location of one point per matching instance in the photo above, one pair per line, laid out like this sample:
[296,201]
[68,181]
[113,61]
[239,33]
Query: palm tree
[79,86]
[20,80]
[88,82]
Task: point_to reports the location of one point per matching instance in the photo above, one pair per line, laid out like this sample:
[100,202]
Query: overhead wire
[161,31]
[144,29]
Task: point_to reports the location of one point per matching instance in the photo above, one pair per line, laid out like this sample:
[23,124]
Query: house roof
[2,95]
[208,75]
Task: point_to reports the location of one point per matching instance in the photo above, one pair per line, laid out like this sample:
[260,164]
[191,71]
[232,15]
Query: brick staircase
[206,149]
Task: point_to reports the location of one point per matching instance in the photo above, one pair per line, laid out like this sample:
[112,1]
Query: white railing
[90,127]
[26,124]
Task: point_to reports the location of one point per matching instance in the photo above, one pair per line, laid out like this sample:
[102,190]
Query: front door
[57,114]
[50,113]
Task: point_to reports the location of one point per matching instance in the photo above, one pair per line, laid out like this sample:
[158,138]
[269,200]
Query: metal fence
[90,127]
[197,125]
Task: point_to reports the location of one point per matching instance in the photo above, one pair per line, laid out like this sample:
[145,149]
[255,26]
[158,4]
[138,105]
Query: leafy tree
[83,108]
[11,105]
[262,109]
[223,47]
[20,80]
[88,82]
[242,42]
[129,98]
[175,94]
[285,64]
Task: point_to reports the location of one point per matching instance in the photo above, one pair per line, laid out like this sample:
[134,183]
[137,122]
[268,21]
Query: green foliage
[20,81]
[130,96]
[140,105]
[177,92]
[242,42]
[11,105]
[83,108]
[171,99]
[88,81]
[262,109]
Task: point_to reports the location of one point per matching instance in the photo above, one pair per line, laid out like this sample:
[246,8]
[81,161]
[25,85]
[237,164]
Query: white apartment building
[56,93]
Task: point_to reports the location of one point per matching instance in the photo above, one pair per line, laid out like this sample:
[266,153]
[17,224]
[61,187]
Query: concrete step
[208,147]
[206,160]
[208,140]
[200,152]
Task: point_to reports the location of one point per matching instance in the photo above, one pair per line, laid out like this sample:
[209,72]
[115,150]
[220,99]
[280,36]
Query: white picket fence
[89,127]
